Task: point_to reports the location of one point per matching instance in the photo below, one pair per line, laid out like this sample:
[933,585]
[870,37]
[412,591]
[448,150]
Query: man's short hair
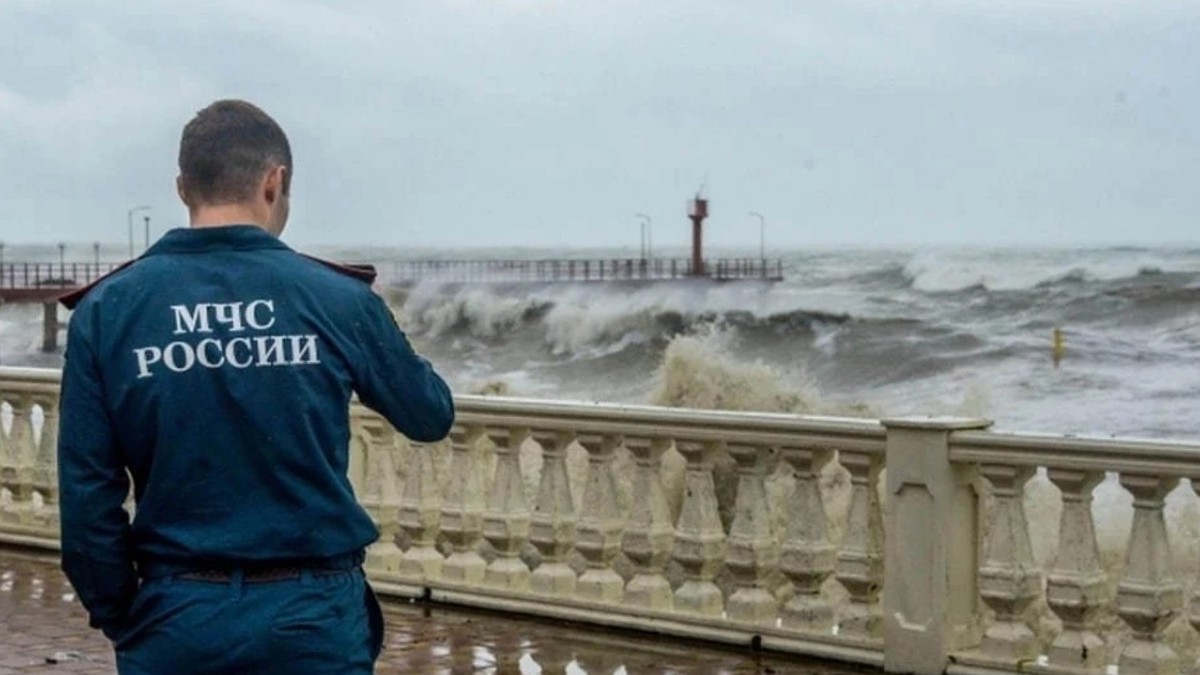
[225,150]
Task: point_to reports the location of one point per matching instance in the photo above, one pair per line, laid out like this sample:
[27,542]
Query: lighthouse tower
[697,212]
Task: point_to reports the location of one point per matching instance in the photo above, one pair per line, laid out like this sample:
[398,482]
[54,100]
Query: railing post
[599,530]
[1009,581]
[699,539]
[860,561]
[649,537]
[45,467]
[754,551]
[1149,597]
[506,520]
[1077,587]
[462,510]
[930,590]
[381,493]
[808,556]
[420,514]
[552,527]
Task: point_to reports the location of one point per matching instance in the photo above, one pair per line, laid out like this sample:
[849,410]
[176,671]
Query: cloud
[457,122]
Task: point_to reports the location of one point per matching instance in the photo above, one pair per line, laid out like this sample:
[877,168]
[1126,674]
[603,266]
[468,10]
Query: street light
[147,240]
[647,232]
[762,240]
[62,262]
[96,255]
[129,220]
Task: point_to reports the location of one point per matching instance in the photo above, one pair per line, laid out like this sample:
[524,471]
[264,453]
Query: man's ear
[273,184]
[179,189]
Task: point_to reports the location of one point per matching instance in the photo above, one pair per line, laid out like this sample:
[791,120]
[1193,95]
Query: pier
[45,283]
[643,269]
[900,544]
[549,271]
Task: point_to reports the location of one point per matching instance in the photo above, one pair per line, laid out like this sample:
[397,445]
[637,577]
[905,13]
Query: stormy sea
[874,332]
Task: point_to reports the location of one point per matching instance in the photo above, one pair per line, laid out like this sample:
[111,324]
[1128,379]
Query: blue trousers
[320,623]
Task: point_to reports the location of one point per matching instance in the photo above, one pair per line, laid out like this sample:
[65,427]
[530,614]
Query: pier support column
[930,590]
[50,326]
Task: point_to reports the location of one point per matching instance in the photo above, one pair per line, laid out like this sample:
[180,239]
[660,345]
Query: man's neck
[225,214]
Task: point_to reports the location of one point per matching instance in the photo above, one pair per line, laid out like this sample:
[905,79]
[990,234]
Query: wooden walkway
[43,629]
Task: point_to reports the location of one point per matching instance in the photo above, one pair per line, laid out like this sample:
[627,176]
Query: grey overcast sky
[551,122]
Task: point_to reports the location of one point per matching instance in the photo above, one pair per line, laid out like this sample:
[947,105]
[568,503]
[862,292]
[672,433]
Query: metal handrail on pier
[574,270]
[48,275]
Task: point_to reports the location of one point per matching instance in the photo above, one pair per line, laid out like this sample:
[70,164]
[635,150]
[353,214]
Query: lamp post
[147,236]
[762,240]
[647,233]
[62,261]
[129,221]
[96,255]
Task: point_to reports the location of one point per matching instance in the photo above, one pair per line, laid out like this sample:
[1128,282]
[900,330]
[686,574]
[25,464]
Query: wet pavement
[44,629]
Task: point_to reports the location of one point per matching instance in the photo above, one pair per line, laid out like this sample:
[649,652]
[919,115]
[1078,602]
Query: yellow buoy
[1059,346]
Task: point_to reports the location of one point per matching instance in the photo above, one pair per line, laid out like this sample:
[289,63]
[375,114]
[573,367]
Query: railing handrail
[52,275]
[1181,458]
[867,435]
[1083,453]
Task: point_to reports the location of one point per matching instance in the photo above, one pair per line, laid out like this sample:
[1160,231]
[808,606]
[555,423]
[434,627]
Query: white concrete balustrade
[904,544]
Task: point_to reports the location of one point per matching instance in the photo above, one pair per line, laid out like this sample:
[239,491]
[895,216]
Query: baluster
[649,536]
[1076,587]
[600,523]
[809,558]
[699,539]
[753,550]
[1194,609]
[21,448]
[1148,596]
[381,493]
[1008,580]
[8,458]
[506,521]
[45,471]
[860,560]
[462,511]
[359,441]
[419,513]
[552,526]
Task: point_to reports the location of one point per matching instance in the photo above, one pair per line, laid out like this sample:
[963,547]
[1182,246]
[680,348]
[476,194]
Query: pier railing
[897,543]
[566,271]
[47,275]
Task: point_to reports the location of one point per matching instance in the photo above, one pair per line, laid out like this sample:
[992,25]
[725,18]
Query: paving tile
[36,624]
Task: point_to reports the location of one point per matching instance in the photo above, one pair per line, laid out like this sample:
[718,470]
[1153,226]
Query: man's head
[235,164]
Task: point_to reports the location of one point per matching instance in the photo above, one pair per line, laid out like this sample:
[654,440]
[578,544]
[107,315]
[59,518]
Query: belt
[254,576]
[250,571]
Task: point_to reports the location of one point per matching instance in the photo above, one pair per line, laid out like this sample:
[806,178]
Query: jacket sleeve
[93,485]
[393,381]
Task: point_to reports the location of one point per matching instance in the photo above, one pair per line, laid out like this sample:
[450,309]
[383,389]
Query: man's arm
[92,487]
[392,380]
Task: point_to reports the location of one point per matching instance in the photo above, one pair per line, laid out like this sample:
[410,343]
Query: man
[216,371]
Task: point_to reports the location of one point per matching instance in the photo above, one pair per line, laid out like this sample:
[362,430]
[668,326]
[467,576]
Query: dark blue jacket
[217,371]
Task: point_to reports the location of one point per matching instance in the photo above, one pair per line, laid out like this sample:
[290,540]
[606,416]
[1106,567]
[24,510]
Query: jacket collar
[224,238]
